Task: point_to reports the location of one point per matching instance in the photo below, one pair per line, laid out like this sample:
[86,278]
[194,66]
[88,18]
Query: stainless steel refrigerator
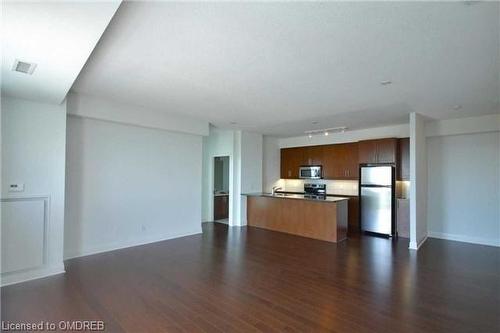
[377,193]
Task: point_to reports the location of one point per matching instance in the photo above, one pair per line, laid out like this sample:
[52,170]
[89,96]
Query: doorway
[221,189]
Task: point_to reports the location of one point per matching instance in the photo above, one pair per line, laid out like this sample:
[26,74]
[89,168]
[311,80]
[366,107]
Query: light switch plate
[19,187]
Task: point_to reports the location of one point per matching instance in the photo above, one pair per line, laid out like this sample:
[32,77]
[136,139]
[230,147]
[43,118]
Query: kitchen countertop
[328,194]
[295,196]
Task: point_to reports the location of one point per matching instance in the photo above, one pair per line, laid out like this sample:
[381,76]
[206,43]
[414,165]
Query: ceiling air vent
[23,67]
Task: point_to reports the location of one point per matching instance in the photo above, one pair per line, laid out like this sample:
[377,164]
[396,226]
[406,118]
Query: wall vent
[23,67]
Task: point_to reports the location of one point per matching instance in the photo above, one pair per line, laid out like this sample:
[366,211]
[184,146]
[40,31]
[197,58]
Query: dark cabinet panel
[344,166]
[353,216]
[403,164]
[386,150]
[221,207]
[377,151]
[331,169]
[351,160]
[339,161]
[312,155]
[367,151]
[328,161]
[291,160]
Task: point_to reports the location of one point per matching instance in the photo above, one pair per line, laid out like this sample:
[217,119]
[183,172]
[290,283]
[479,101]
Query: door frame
[211,188]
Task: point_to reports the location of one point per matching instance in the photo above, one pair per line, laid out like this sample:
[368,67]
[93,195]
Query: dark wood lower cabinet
[314,219]
[221,207]
[353,216]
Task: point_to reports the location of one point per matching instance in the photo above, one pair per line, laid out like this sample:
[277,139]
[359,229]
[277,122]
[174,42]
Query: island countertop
[295,196]
[324,219]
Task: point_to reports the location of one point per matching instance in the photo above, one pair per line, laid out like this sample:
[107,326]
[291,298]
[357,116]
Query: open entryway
[221,189]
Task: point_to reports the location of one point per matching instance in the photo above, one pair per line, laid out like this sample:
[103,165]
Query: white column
[247,177]
[235,219]
[418,179]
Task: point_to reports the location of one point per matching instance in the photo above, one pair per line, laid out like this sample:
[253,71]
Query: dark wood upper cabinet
[341,161]
[312,155]
[291,160]
[403,164]
[367,152]
[351,160]
[377,151]
[387,150]
[331,156]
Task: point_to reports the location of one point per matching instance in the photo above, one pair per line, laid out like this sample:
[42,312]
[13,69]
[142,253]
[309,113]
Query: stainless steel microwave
[310,172]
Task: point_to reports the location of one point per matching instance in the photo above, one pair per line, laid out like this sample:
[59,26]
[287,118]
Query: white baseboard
[32,274]
[415,246]
[465,239]
[122,245]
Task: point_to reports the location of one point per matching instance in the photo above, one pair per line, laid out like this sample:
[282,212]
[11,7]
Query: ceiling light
[386,82]
[23,67]
[326,131]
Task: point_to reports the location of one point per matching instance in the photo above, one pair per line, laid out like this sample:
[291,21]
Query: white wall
[251,162]
[97,108]
[251,169]
[464,185]
[396,131]
[235,205]
[418,180]
[33,153]
[219,142]
[270,163]
[245,172]
[129,185]
[469,125]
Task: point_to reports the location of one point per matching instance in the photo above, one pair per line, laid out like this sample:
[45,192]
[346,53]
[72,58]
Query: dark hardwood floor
[249,279]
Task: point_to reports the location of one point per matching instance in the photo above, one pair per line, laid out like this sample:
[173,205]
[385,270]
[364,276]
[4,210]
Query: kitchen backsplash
[341,187]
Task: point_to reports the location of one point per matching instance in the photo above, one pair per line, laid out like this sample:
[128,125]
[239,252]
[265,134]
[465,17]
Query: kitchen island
[298,214]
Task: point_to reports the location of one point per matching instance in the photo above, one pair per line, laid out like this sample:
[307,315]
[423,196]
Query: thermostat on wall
[16,187]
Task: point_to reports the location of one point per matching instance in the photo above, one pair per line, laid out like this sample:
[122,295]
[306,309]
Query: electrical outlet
[19,187]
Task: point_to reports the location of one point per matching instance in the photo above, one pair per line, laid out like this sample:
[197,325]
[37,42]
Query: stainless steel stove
[315,191]
[315,197]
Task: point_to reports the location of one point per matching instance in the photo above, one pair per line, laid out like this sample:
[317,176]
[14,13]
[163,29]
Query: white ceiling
[270,67]
[56,36]
[275,67]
